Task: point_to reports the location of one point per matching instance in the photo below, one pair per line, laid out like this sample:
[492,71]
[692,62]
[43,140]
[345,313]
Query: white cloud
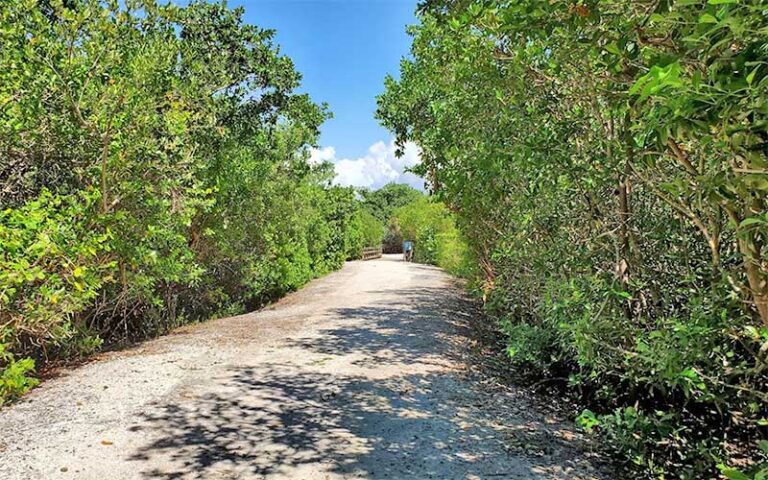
[377,168]
[320,155]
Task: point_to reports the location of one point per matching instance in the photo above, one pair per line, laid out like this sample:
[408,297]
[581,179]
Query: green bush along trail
[607,165]
[153,166]
[598,171]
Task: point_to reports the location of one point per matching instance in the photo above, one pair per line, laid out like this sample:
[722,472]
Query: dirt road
[359,375]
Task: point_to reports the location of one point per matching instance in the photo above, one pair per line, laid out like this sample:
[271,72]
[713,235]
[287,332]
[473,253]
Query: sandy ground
[362,374]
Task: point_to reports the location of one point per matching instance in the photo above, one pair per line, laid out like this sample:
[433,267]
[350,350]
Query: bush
[14,381]
[372,229]
[606,165]
[52,268]
[366,231]
[146,182]
[433,232]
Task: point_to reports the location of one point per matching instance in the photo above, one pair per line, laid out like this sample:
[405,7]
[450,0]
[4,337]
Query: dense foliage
[152,171]
[382,204]
[607,162]
[432,229]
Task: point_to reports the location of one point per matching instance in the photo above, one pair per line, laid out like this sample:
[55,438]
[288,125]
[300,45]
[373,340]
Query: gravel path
[362,374]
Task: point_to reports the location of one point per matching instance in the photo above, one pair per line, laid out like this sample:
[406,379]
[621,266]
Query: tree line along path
[365,373]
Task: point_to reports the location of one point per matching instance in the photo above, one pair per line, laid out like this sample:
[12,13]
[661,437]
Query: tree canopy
[153,171]
[607,162]
[383,202]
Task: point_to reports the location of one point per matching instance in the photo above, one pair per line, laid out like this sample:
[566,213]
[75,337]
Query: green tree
[432,229]
[383,202]
[605,161]
[153,171]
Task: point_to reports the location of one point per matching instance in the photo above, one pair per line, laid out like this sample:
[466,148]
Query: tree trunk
[106,140]
[623,265]
[750,247]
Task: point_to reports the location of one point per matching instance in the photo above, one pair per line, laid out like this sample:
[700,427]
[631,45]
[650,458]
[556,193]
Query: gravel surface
[364,373]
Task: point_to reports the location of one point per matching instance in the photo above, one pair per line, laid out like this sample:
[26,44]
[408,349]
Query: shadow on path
[286,420]
[269,423]
[411,326]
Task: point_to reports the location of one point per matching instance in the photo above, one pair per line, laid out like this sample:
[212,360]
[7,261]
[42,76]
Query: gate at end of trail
[371,252]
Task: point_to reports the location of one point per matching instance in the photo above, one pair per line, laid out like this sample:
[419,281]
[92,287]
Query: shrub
[606,165]
[14,381]
[146,182]
[52,267]
[433,231]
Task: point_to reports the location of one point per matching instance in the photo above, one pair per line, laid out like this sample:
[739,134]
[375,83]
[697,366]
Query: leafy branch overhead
[607,162]
[153,171]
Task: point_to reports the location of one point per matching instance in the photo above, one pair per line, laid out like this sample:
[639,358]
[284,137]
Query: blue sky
[344,49]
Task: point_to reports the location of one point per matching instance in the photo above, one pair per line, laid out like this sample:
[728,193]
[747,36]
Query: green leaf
[763,444]
[756,181]
[720,2]
[751,221]
[587,420]
[752,331]
[751,76]
[733,474]
[707,18]
[613,48]
[689,373]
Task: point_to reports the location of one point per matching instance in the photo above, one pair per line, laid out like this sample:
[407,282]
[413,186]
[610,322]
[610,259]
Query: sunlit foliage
[607,162]
[153,171]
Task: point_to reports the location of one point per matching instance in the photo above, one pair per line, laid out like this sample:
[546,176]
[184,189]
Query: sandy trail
[358,375]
